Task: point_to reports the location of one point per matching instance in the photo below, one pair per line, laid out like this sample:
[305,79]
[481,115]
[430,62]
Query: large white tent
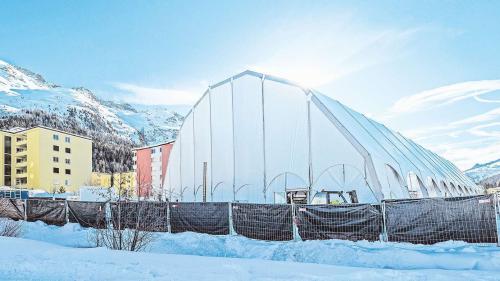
[253,137]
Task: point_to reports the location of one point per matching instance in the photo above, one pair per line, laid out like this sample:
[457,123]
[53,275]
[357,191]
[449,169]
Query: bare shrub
[133,223]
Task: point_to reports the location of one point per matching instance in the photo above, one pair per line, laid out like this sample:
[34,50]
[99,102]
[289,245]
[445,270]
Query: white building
[263,137]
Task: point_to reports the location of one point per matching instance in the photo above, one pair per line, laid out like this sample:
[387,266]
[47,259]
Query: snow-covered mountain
[21,89]
[484,171]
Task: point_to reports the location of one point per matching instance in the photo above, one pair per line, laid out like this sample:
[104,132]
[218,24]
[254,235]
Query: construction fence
[473,219]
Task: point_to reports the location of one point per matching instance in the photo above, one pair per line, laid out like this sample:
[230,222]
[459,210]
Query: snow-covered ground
[63,253]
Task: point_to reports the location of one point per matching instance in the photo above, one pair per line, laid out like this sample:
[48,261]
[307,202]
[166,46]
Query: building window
[152,151]
[66,139]
[55,159]
[55,170]
[68,161]
[67,149]
[68,172]
[55,137]
[66,182]
[160,149]
[55,147]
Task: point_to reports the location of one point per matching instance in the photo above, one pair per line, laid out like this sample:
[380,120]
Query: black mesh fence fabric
[48,211]
[87,214]
[12,209]
[263,221]
[349,222]
[211,218]
[432,220]
[147,216]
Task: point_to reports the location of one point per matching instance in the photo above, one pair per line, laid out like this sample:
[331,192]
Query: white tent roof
[260,136]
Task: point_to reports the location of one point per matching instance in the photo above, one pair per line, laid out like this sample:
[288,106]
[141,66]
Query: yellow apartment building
[124,181]
[44,158]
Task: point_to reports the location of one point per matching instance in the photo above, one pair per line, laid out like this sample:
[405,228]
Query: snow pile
[23,259]
[400,256]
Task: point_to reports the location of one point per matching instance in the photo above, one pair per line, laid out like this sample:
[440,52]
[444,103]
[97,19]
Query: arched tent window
[343,177]
[467,190]
[453,189]
[415,186]
[423,188]
[435,188]
[396,188]
[461,190]
[446,189]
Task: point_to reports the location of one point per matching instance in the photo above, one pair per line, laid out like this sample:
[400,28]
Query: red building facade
[150,166]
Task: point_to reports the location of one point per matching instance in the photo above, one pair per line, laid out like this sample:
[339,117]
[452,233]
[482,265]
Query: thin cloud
[445,95]
[466,156]
[149,95]
[316,53]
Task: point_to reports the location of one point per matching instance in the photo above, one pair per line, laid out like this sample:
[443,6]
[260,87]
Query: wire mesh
[87,214]
[12,208]
[348,222]
[210,218]
[146,216]
[431,220]
[46,210]
[270,222]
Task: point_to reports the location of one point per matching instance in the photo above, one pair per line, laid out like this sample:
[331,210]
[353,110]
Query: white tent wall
[329,149]
[286,138]
[202,146]
[410,154]
[222,165]
[248,139]
[261,135]
[186,144]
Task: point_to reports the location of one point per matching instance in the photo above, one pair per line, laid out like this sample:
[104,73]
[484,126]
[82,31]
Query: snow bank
[401,256]
[23,259]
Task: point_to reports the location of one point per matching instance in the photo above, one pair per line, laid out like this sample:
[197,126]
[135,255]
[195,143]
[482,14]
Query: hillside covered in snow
[485,173]
[27,99]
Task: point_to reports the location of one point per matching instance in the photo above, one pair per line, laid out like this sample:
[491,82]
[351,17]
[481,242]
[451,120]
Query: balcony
[21,181]
[22,149]
[21,172]
[21,160]
[21,141]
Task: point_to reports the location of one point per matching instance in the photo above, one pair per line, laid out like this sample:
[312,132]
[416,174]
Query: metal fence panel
[12,208]
[211,218]
[263,221]
[87,214]
[431,220]
[48,211]
[147,216]
[349,222]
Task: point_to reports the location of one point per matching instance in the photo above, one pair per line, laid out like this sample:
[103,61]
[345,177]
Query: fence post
[384,237]
[107,214]
[231,226]
[497,216]
[169,227]
[25,209]
[295,228]
[66,211]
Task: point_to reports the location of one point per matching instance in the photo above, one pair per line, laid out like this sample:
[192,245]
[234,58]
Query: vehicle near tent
[261,139]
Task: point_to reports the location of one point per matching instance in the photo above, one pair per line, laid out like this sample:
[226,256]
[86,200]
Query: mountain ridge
[480,173]
[27,99]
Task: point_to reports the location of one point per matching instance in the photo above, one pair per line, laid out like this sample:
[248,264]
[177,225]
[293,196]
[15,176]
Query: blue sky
[430,69]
